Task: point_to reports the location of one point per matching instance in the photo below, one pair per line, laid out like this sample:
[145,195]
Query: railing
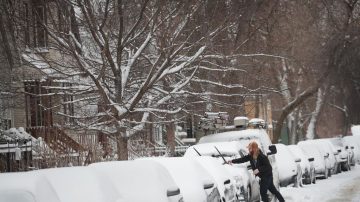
[57,139]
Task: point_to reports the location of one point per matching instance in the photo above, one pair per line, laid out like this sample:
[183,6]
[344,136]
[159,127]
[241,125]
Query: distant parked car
[289,166]
[195,183]
[320,160]
[344,153]
[354,143]
[327,147]
[307,166]
[247,187]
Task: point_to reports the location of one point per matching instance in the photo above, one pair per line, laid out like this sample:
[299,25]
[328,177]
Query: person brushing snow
[261,167]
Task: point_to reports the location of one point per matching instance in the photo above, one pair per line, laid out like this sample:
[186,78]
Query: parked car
[247,187]
[353,141]
[124,181]
[26,187]
[257,134]
[344,153]
[320,160]
[307,166]
[224,179]
[133,180]
[195,183]
[328,148]
[289,166]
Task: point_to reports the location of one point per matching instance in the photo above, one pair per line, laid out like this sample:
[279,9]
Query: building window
[38,103]
[40,36]
[68,105]
[26,25]
[5,124]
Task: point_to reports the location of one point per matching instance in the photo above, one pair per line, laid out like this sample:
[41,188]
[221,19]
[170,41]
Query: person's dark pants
[266,183]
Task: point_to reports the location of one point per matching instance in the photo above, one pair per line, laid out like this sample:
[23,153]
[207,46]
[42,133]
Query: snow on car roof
[237,135]
[67,183]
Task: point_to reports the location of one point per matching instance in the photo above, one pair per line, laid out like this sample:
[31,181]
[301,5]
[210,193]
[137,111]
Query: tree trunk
[311,132]
[289,108]
[122,147]
[170,137]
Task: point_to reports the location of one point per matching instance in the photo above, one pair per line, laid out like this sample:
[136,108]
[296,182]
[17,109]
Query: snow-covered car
[195,183]
[289,166]
[353,141]
[344,153]
[122,181]
[307,166]
[328,148]
[257,134]
[136,180]
[247,187]
[320,163]
[223,178]
[26,187]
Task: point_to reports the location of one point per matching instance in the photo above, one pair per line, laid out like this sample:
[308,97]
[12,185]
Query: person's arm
[242,159]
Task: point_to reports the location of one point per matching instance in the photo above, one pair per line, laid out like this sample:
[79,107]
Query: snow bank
[355,130]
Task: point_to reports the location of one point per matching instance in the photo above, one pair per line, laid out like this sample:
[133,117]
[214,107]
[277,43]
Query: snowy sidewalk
[341,187]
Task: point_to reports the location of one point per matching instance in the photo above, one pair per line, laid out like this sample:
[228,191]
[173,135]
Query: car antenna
[220,154]
[197,151]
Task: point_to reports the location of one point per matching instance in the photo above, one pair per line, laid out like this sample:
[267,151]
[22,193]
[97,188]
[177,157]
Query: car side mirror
[208,185]
[173,191]
[272,149]
[227,182]
[311,159]
[297,160]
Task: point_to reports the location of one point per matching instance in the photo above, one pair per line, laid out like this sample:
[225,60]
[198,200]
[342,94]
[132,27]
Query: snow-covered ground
[344,186]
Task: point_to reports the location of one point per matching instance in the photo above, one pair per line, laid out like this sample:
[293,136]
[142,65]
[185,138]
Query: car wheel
[307,179]
[344,167]
[246,194]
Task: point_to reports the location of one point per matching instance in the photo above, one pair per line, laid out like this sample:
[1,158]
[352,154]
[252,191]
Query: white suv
[258,134]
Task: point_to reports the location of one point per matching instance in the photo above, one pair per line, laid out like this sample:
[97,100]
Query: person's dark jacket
[262,164]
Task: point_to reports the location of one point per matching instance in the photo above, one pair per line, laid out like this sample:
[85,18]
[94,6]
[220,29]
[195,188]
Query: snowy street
[344,186]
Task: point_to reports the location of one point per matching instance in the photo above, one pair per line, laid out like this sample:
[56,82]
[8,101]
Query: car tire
[247,194]
[345,167]
[307,180]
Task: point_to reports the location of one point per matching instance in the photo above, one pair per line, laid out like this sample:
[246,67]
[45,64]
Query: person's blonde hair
[254,146]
